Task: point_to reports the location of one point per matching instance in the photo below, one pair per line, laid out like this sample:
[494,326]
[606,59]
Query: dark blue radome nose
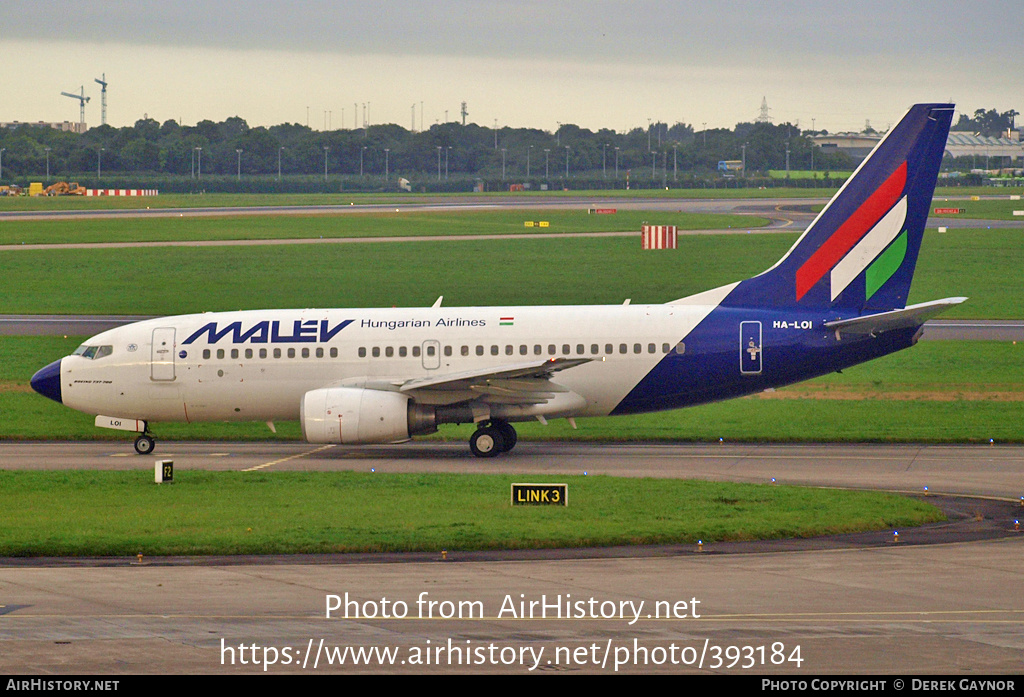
[47,381]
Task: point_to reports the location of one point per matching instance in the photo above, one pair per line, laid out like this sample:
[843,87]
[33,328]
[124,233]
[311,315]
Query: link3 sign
[540,494]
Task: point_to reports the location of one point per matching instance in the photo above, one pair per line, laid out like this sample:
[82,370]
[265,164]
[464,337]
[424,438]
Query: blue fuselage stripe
[723,360]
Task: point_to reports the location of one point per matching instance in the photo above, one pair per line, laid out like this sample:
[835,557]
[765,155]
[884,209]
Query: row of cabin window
[431,350]
[277,353]
[524,350]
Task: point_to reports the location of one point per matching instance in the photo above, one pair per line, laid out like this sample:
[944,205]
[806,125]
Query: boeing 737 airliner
[837,298]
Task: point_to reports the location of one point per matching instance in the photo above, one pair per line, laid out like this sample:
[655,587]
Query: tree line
[989,123]
[232,147]
[658,155]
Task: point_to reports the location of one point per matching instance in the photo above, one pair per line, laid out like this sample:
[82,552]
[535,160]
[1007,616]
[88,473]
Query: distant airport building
[965,144]
[72,127]
[958,144]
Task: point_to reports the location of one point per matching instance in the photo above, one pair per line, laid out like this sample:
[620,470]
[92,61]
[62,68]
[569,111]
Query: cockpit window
[93,352]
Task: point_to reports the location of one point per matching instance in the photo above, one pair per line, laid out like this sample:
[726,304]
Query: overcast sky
[531,63]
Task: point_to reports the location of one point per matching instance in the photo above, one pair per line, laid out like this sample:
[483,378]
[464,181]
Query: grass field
[164,281]
[105,513]
[983,265]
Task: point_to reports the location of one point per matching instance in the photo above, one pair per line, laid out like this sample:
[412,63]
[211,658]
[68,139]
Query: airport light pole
[546,170]
[654,162]
[325,162]
[238,175]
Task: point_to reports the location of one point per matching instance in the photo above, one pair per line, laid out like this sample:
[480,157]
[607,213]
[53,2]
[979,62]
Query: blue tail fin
[860,252]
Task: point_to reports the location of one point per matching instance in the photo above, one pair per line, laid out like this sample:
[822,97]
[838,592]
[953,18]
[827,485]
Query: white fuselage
[257,365]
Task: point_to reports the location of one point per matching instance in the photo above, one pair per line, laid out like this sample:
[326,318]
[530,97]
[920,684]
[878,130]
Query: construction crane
[103,99]
[82,99]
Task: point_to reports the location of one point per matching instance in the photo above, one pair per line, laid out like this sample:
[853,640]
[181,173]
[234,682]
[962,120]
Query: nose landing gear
[144,444]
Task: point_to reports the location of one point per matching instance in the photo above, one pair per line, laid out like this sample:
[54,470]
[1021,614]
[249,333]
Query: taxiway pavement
[883,608]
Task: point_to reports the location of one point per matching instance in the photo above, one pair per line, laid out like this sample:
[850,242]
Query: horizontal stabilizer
[910,316]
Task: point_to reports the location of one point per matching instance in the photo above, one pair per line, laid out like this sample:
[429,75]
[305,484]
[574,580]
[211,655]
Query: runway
[983,470]
[800,210]
[891,608]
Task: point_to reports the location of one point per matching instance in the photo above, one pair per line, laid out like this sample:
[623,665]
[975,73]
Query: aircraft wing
[515,383]
[910,316]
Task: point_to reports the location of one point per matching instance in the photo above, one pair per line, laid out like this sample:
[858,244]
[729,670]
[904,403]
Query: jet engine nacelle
[354,415]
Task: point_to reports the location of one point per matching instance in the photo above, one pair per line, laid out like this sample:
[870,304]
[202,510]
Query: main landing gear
[492,439]
[144,444]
